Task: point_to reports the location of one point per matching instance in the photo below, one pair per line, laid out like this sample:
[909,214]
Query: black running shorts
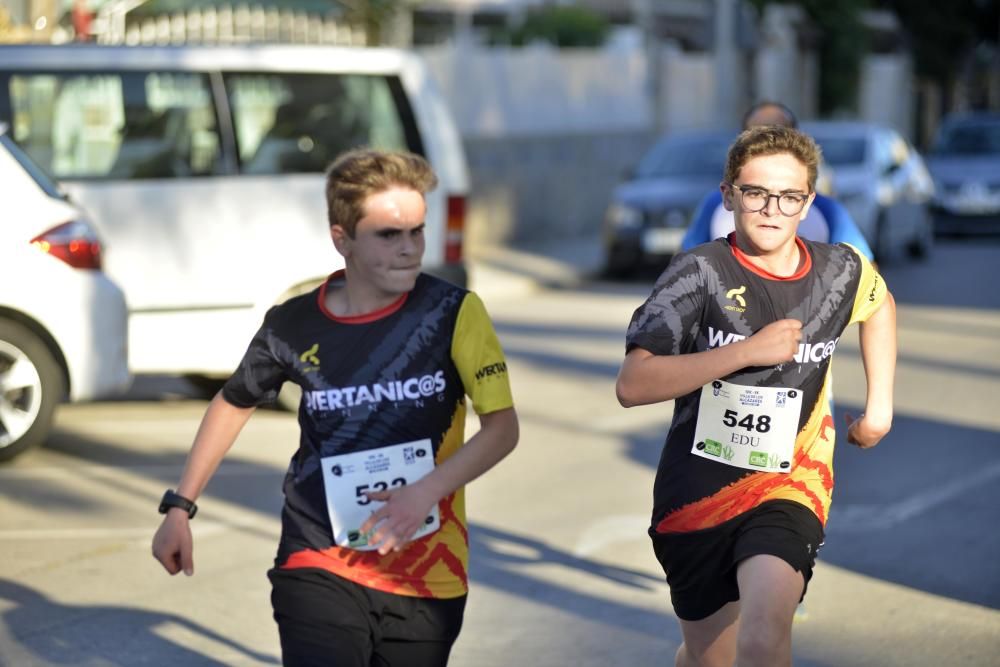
[701,565]
[326,620]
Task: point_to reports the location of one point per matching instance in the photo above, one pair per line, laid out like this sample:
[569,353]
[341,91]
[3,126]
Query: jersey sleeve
[258,378]
[871,290]
[843,229]
[667,322]
[700,229]
[476,352]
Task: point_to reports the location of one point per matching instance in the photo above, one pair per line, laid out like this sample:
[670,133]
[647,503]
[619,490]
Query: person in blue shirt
[827,221]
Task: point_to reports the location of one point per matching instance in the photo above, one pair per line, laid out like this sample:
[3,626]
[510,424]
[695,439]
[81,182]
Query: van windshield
[298,123]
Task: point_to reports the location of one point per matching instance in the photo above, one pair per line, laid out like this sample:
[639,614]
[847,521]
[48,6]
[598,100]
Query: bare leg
[710,642]
[770,590]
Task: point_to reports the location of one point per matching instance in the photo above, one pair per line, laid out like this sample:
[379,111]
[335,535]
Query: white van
[202,169]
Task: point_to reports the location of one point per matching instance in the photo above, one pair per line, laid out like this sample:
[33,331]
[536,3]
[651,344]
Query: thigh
[712,640]
[322,620]
[414,631]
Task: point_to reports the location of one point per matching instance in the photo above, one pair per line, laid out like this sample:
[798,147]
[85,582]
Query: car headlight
[622,216]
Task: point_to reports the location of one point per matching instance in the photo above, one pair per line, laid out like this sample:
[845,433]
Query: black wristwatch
[171,499]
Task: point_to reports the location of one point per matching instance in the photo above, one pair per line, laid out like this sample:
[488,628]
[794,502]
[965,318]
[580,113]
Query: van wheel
[31,385]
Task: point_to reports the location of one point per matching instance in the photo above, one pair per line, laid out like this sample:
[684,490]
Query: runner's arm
[222,423]
[650,378]
[878,352]
[405,508]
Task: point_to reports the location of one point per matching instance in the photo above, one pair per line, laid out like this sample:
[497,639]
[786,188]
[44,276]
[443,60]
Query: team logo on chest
[736,295]
[309,359]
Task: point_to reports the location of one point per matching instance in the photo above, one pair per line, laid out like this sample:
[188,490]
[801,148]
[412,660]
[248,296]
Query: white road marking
[856,518]
[199,528]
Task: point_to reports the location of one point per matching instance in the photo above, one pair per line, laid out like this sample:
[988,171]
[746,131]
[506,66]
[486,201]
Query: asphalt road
[562,571]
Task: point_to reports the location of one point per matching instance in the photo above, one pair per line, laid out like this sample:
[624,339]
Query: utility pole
[728,68]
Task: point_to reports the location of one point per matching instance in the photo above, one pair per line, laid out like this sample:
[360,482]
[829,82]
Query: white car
[883,182]
[63,323]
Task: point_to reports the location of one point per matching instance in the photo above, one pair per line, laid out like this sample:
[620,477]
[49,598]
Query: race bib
[346,478]
[748,427]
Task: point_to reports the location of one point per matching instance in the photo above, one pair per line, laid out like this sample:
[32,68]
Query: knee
[713,656]
[764,647]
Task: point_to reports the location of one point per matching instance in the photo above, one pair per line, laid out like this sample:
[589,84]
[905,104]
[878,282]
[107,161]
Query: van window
[120,125]
[300,122]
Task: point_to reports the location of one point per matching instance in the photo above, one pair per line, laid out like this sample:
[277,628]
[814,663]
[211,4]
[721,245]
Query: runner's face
[768,230]
[388,243]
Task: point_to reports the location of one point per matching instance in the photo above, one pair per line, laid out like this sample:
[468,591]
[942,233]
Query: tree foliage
[563,26]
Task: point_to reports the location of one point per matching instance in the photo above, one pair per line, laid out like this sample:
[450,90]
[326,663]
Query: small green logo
[355,538]
[758,459]
[728,453]
[713,447]
[772,461]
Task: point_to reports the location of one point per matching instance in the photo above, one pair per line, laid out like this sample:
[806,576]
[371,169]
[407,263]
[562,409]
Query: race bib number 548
[347,477]
[748,427]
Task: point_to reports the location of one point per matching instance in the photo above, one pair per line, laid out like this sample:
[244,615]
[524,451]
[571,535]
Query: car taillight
[454,230]
[74,243]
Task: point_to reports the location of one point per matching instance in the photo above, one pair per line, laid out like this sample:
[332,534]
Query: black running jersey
[398,375]
[712,296]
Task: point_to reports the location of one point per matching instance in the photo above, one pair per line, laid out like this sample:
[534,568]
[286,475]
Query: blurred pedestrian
[827,221]
[741,331]
[372,565]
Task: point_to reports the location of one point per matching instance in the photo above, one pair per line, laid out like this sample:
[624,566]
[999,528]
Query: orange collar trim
[742,258]
[363,318]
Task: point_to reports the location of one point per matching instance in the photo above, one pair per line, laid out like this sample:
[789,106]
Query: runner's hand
[862,432]
[404,512]
[172,544]
[776,343]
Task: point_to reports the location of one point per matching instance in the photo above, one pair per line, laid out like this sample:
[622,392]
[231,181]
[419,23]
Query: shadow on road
[502,560]
[61,634]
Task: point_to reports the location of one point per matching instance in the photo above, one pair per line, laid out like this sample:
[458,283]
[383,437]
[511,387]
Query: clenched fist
[776,343]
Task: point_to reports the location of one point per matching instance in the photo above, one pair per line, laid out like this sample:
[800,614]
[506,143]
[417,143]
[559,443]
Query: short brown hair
[357,174]
[771,140]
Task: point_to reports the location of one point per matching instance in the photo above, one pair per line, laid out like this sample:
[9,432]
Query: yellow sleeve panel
[479,358]
[871,290]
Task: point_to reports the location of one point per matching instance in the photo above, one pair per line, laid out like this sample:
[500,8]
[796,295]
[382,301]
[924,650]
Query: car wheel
[881,245]
[922,244]
[31,385]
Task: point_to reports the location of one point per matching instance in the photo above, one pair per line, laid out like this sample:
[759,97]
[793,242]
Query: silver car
[883,182]
[965,164]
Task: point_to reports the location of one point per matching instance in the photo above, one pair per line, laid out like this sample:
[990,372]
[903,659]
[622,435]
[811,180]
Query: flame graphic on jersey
[810,483]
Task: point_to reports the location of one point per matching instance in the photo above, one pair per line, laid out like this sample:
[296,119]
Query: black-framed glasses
[756,199]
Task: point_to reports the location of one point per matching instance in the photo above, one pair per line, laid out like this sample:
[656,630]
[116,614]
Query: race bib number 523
[347,477]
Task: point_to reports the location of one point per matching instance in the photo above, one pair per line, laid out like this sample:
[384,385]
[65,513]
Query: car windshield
[842,151]
[687,157]
[969,139]
[44,181]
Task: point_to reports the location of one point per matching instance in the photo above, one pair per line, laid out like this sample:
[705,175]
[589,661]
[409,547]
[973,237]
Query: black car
[649,213]
[965,164]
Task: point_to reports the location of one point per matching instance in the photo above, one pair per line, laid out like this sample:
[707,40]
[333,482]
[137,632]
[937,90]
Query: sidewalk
[504,272]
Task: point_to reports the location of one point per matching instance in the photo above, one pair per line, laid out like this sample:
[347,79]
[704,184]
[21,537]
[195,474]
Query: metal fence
[224,24]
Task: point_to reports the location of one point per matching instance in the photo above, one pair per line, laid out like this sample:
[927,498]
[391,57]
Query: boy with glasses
[826,220]
[740,331]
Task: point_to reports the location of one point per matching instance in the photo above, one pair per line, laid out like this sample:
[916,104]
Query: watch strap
[172,499]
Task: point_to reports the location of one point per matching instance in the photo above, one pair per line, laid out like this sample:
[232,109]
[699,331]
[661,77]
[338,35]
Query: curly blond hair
[772,140]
